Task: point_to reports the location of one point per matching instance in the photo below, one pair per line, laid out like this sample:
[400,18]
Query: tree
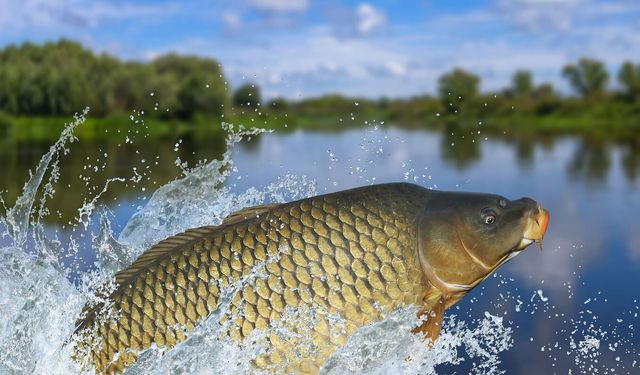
[247,95]
[278,104]
[629,77]
[589,77]
[545,98]
[194,84]
[522,83]
[458,87]
[63,77]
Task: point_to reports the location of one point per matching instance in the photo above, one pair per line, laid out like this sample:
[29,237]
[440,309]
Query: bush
[5,123]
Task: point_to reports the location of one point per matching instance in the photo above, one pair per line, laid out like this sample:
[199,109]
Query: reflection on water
[591,161]
[524,152]
[146,165]
[581,288]
[460,149]
[631,160]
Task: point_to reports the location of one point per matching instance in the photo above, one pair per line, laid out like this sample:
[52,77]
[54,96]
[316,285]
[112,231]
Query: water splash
[388,347]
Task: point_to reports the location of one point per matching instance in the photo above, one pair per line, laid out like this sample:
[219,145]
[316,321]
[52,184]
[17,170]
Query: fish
[347,257]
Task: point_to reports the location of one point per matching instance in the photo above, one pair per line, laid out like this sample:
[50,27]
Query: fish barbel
[354,254]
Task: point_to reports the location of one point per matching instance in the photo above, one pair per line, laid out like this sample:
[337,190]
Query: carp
[354,254]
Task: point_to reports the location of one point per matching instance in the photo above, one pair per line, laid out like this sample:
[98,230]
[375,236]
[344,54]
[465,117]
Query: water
[572,308]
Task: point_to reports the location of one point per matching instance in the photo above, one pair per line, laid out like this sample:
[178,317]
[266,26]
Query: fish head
[464,237]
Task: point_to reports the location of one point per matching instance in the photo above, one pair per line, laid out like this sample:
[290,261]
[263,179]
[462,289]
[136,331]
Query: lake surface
[572,308]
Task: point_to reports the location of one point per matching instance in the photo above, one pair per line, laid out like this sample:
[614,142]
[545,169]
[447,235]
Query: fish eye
[489,216]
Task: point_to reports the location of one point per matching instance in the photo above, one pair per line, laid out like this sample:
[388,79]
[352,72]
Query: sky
[305,48]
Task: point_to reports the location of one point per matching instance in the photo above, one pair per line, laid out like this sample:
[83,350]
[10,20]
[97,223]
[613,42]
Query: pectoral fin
[432,315]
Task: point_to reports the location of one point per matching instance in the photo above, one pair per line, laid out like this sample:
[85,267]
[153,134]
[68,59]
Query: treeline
[62,78]
[459,90]
[459,96]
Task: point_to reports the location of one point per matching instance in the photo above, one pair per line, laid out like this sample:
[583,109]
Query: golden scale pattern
[350,253]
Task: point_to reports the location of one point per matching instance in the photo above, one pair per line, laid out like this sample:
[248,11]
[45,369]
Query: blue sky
[302,48]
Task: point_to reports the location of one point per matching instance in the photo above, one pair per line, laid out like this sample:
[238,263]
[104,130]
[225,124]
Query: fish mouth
[536,228]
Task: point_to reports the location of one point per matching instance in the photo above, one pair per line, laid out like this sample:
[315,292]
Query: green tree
[52,79]
[278,104]
[522,83]
[197,83]
[457,88]
[63,77]
[629,77]
[247,95]
[588,77]
[545,99]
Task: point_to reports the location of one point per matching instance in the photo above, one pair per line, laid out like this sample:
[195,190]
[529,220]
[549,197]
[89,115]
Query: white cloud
[69,14]
[562,15]
[280,5]
[350,22]
[231,20]
[540,14]
[396,68]
[369,18]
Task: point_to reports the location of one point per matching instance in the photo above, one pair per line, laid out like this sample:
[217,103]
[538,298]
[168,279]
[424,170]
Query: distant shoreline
[48,128]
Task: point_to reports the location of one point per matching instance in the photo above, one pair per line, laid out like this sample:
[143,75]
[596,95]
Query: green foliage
[63,78]
[522,83]
[589,77]
[278,104]
[192,85]
[629,77]
[457,88]
[247,95]
[5,124]
[415,110]
[546,100]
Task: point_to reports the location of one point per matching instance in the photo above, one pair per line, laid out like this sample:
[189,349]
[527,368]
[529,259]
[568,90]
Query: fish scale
[350,254]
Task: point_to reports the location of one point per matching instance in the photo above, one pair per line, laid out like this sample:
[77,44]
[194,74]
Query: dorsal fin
[169,246]
[155,254]
[164,247]
[248,213]
[186,238]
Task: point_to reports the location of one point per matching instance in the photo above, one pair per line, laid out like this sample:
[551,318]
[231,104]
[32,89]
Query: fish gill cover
[47,276]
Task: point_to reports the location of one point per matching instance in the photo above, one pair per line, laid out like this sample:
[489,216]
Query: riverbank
[613,124]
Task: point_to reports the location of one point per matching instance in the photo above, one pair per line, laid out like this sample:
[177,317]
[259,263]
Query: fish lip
[524,242]
[536,229]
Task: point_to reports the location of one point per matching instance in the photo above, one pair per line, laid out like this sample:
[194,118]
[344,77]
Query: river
[570,308]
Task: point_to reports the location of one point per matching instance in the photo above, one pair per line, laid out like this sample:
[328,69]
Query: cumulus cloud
[69,14]
[231,20]
[369,18]
[393,68]
[350,22]
[396,68]
[540,14]
[280,5]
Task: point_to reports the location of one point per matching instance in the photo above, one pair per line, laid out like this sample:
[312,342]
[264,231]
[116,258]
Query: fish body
[353,254]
